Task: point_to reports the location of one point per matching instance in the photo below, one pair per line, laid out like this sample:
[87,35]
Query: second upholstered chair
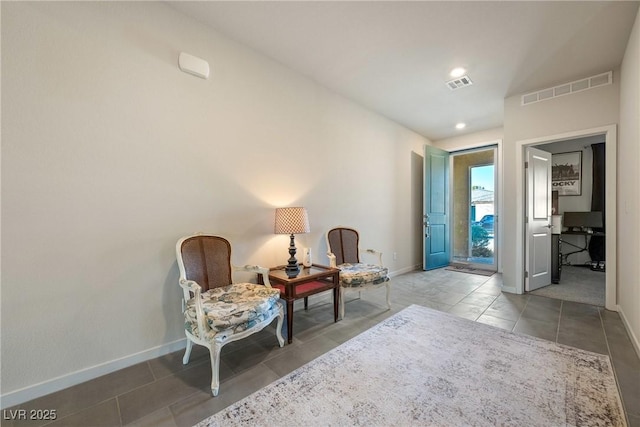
[216,310]
[344,253]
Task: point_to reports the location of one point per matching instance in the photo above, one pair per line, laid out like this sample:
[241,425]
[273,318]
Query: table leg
[306,303]
[290,321]
[336,303]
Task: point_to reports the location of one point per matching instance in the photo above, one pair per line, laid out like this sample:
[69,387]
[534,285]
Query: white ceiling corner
[394,57]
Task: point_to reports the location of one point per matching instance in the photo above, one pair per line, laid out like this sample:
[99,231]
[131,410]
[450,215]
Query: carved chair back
[343,243]
[206,260]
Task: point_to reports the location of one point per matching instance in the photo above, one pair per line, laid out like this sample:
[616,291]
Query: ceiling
[394,57]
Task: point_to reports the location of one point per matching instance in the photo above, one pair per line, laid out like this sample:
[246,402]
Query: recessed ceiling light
[457,72]
[461,126]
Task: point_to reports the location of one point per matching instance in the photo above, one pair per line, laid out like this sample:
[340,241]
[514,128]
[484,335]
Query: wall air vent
[568,88]
[463,81]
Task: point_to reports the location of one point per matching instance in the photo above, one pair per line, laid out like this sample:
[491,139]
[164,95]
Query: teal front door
[436,208]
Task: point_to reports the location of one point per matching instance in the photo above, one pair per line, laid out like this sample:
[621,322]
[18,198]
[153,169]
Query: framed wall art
[566,173]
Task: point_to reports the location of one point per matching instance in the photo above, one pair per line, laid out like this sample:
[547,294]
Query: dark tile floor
[163,392]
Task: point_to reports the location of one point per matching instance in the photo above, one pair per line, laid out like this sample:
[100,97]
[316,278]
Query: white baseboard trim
[627,326]
[405,270]
[509,289]
[25,394]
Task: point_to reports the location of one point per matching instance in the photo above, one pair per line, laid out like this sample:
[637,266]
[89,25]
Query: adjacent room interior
[579,233]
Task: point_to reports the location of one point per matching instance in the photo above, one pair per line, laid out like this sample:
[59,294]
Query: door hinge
[526,220]
[526,165]
[526,274]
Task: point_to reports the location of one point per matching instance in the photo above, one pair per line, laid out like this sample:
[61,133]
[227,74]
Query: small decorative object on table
[306,257]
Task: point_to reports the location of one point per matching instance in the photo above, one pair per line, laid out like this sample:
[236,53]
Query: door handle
[427,230]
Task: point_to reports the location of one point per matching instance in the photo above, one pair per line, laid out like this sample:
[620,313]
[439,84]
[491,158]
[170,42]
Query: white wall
[629,187]
[616,104]
[572,113]
[470,140]
[110,154]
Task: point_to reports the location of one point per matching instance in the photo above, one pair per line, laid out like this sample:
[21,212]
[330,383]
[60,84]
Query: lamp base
[292,269]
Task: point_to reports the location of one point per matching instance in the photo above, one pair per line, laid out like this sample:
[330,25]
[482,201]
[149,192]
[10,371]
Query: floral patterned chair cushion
[233,309]
[354,275]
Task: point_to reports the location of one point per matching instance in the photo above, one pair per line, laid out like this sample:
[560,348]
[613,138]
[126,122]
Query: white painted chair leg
[187,352]
[214,352]
[388,296]
[342,302]
[279,327]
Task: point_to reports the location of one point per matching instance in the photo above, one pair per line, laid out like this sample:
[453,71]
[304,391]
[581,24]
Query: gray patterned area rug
[424,367]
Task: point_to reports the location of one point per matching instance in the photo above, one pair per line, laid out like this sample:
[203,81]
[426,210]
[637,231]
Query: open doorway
[578,202]
[610,138]
[474,208]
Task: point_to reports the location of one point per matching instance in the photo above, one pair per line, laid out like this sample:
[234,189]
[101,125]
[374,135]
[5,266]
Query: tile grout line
[520,315]
[487,307]
[84,409]
[559,320]
[153,374]
[119,412]
[174,374]
[115,397]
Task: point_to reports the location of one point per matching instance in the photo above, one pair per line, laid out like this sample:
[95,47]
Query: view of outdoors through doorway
[474,208]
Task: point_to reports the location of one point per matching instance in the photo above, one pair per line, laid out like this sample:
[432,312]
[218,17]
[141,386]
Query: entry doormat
[424,367]
[470,270]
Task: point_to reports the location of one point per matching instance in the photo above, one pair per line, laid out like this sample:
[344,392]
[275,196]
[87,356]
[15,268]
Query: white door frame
[497,199]
[497,225]
[611,149]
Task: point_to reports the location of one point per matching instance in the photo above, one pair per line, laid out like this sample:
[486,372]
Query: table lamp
[291,221]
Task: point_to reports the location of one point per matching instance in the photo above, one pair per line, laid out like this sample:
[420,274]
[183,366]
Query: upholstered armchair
[216,310]
[344,253]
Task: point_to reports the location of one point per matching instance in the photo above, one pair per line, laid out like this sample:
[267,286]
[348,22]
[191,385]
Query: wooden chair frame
[191,289]
[333,263]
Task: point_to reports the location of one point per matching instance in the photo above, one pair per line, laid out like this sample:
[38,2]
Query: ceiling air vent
[568,88]
[463,81]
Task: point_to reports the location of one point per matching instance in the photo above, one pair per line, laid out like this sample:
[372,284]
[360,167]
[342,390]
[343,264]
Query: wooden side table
[310,281]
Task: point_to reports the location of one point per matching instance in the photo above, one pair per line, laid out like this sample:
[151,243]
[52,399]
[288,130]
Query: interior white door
[538,220]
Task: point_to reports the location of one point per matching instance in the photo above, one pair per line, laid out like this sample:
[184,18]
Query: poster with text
[566,173]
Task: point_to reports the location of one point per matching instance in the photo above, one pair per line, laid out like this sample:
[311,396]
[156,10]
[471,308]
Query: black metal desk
[587,236]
